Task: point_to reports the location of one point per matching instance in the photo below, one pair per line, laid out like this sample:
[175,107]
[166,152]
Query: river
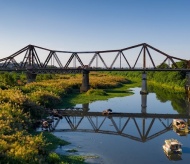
[121,140]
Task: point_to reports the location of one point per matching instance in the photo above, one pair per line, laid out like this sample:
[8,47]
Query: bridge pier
[143,103]
[187,86]
[85,107]
[187,106]
[31,77]
[188,109]
[144,84]
[85,82]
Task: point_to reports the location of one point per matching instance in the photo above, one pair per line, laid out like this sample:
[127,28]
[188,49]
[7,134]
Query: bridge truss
[137,57]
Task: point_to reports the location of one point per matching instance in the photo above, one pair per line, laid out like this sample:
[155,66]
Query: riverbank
[91,95]
[171,81]
[53,143]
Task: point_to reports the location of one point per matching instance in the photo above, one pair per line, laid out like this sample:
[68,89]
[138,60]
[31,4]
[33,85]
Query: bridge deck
[136,115]
[77,70]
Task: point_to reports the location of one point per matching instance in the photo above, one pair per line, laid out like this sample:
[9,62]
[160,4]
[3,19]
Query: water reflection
[99,133]
[174,157]
[145,126]
[143,103]
[85,107]
[180,127]
[140,127]
[172,149]
[179,101]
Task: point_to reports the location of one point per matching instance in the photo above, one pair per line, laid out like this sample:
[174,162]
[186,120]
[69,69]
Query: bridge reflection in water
[140,127]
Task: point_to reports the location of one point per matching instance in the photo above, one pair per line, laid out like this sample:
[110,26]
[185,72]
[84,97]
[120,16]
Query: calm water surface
[140,140]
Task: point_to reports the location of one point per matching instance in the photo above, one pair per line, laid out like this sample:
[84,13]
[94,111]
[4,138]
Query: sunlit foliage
[11,79]
[16,144]
[96,92]
[174,80]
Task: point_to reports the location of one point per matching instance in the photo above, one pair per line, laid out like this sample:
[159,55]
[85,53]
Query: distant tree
[181,64]
[163,65]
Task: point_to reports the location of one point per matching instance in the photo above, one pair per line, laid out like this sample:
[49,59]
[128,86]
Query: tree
[181,64]
[163,65]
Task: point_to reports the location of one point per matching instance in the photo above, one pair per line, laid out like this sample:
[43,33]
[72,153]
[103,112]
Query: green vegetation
[178,100]
[172,81]
[97,94]
[72,151]
[50,138]
[17,145]
[55,158]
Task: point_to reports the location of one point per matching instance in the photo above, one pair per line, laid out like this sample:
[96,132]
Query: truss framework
[32,59]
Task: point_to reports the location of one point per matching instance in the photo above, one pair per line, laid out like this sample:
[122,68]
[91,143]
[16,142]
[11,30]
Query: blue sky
[82,25]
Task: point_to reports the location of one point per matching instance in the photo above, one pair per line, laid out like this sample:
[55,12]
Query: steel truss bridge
[143,123]
[30,59]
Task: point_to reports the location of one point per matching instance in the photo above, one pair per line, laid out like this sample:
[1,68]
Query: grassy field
[97,94]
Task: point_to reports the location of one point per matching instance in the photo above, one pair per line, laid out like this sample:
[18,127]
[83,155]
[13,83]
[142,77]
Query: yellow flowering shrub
[21,147]
[12,119]
[13,96]
[45,98]
[16,145]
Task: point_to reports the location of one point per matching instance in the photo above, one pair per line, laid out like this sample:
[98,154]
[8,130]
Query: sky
[89,25]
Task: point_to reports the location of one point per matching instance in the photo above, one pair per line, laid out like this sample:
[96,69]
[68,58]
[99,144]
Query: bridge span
[30,58]
[142,57]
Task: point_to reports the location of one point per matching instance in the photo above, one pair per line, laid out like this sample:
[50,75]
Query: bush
[45,98]
[97,92]
[16,144]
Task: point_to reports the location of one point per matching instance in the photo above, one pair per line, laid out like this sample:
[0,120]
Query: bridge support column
[85,107]
[144,84]
[85,82]
[187,86]
[143,103]
[187,106]
[31,77]
[188,109]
